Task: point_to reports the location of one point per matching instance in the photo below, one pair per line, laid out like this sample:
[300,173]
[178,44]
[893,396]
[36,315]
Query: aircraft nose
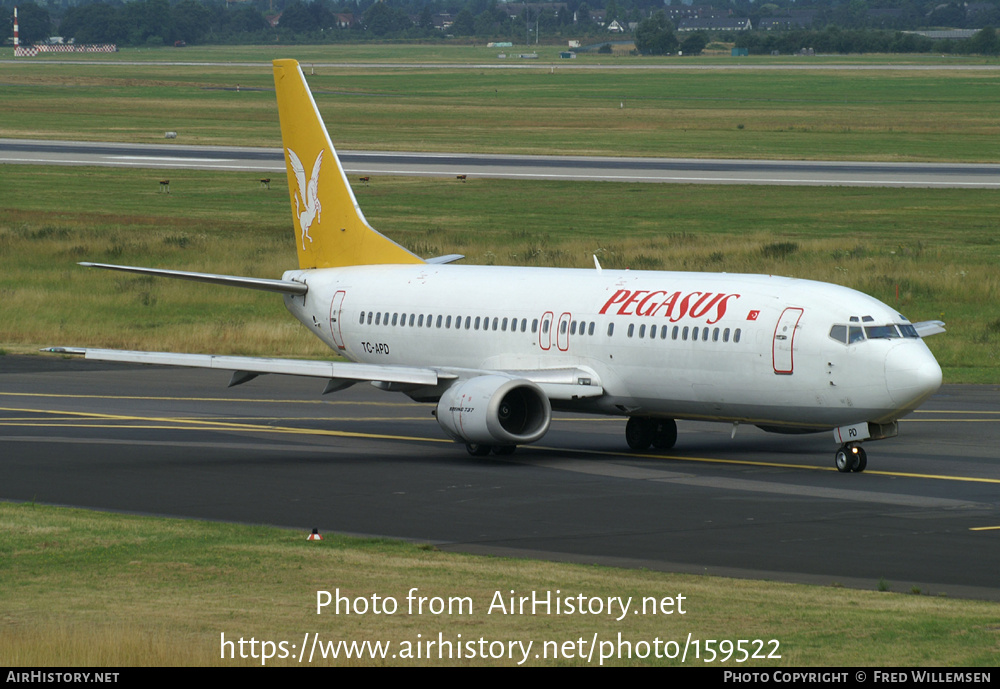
[912,374]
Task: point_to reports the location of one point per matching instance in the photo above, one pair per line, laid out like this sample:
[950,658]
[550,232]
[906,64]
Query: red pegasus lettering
[684,307]
[616,298]
[701,307]
[635,298]
[639,311]
[669,303]
[720,309]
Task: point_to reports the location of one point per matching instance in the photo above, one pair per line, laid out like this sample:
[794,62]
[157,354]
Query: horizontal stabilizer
[447,258]
[928,328]
[282,286]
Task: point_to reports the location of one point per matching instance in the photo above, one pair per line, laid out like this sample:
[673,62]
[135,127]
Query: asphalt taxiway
[267,161]
[926,513]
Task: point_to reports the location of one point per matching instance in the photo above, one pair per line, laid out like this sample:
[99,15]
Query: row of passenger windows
[685,333]
[514,325]
[849,334]
[414,320]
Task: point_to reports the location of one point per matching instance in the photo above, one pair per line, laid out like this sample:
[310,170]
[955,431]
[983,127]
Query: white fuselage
[715,346]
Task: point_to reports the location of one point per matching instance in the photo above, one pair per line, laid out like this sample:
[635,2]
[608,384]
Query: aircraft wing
[331,370]
[928,328]
[557,383]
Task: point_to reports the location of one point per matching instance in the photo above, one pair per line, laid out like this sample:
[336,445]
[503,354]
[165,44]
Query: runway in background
[658,170]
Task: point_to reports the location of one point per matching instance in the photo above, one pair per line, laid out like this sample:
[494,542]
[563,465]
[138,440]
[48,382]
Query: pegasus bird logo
[308,209]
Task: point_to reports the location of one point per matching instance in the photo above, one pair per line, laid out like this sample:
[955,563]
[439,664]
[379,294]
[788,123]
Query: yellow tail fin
[330,227]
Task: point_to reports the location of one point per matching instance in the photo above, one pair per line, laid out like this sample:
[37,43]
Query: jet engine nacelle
[494,410]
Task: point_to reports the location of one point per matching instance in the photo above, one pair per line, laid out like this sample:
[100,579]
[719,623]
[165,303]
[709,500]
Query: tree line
[855,26]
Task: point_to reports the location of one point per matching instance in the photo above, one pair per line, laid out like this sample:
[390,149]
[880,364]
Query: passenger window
[503,325]
[673,335]
[394,317]
[642,330]
[736,335]
[378,318]
[631,329]
[684,333]
[362,321]
[468,322]
[534,326]
[369,318]
[563,327]
[438,321]
[524,325]
[725,335]
[496,323]
[715,335]
[545,327]
[590,330]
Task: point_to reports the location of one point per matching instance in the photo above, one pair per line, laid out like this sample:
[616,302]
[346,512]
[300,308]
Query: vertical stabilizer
[330,228]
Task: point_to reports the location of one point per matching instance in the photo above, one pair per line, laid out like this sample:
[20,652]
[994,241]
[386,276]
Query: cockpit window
[849,334]
[881,332]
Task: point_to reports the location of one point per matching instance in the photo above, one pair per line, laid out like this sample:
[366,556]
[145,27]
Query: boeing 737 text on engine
[784,354]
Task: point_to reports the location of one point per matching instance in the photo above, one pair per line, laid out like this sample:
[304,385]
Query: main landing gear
[642,432]
[851,457]
[480,450]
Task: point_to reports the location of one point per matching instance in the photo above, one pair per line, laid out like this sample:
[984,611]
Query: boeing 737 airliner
[497,348]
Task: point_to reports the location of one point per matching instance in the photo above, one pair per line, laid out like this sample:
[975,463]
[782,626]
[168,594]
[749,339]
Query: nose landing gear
[851,457]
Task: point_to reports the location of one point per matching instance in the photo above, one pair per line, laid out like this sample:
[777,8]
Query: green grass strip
[86,588]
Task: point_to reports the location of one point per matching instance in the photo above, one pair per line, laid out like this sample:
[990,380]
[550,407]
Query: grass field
[82,588]
[841,114]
